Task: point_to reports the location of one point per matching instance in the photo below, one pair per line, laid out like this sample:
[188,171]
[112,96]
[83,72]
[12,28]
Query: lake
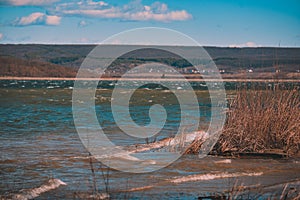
[39,142]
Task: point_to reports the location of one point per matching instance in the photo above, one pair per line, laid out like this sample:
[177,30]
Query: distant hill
[64,60]
[11,66]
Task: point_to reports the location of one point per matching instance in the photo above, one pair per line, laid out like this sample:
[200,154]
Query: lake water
[39,142]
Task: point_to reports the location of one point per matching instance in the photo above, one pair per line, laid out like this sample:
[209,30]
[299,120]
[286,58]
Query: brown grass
[262,121]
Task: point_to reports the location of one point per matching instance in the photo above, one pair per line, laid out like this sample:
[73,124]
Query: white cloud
[33,18]
[83,40]
[135,10]
[83,23]
[38,18]
[100,3]
[170,16]
[247,44]
[29,2]
[1,36]
[53,20]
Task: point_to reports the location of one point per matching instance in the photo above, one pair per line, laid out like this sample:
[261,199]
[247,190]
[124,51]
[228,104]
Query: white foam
[100,196]
[35,192]
[124,92]
[130,156]
[205,177]
[170,142]
[190,137]
[81,157]
[124,156]
[197,177]
[225,161]
[167,142]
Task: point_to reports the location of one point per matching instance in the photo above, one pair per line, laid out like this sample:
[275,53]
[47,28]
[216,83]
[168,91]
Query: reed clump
[262,120]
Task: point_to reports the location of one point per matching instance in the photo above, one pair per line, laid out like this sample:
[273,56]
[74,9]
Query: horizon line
[176,45]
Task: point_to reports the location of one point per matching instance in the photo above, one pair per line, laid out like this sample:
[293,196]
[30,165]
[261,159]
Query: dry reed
[262,121]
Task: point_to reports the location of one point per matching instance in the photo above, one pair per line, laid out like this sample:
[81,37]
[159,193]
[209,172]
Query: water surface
[39,142]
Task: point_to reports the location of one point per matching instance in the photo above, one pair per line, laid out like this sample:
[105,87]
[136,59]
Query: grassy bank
[262,121]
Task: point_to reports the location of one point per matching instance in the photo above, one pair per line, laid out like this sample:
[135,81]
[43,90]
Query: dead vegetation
[14,67]
[262,121]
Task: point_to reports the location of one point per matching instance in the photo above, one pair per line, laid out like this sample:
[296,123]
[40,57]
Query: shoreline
[147,79]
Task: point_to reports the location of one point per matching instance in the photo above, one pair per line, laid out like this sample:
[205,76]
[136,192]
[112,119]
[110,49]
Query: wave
[206,177]
[225,161]
[169,142]
[130,152]
[51,184]
[196,177]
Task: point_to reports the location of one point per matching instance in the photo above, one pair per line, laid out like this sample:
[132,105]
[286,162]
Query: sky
[226,23]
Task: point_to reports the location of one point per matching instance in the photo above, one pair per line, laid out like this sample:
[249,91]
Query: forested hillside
[64,60]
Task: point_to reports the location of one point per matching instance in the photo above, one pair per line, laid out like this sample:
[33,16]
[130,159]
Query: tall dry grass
[262,120]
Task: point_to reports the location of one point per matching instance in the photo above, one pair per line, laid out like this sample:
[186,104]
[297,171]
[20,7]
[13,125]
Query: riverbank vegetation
[262,121]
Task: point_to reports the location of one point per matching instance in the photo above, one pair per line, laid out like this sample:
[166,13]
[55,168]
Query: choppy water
[39,142]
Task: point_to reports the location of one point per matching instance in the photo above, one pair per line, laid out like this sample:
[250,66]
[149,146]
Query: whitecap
[225,161]
[35,192]
[211,176]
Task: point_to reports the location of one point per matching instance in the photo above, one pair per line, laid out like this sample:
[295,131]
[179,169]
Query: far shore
[148,79]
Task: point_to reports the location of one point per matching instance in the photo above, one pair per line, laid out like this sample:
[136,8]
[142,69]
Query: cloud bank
[29,2]
[247,44]
[38,18]
[133,11]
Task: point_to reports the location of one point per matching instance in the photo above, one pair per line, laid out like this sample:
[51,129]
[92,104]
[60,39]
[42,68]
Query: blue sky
[215,23]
